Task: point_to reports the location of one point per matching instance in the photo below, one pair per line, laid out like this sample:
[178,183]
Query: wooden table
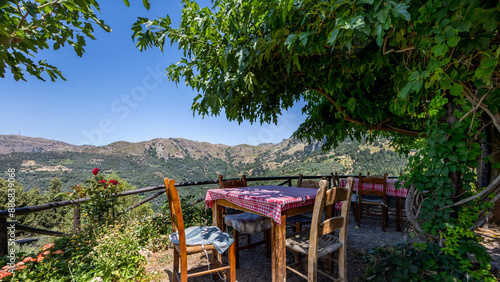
[390,191]
[276,202]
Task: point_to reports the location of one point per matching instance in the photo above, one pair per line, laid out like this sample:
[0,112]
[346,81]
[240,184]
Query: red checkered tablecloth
[268,200]
[390,190]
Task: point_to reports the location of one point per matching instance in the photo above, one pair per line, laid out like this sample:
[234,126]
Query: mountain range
[142,164]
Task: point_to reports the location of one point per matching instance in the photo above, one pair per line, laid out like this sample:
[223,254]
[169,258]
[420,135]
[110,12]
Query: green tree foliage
[59,218]
[56,219]
[27,27]
[368,68]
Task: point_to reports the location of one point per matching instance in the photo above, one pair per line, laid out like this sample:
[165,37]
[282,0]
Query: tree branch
[382,126]
[11,36]
[392,50]
[470,95]
[494,185]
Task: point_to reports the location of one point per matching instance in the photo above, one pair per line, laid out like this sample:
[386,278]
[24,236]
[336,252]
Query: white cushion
[248,222]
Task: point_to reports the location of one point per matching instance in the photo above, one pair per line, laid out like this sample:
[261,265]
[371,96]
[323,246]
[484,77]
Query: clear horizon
[114,93]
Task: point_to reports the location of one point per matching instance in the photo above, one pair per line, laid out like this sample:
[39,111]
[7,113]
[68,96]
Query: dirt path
[255,267]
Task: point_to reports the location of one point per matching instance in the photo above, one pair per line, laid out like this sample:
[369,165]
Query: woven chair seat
[372,199]
[299,242]
[191,249]
[248,223]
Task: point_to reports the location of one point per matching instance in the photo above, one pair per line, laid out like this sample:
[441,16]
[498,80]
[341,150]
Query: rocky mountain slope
[142,164]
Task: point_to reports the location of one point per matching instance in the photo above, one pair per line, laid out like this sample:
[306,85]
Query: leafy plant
[102,194]
[108,251]
[28,26]
[421,262]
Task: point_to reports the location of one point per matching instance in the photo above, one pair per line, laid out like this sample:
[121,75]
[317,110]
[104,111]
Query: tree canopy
[26,27]
[360,65]
[423,73]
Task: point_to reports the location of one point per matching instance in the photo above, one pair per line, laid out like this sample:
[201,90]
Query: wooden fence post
[76,218]
[4,240]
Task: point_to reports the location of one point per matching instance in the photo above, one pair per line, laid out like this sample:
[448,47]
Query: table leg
[278,233]
[398,214]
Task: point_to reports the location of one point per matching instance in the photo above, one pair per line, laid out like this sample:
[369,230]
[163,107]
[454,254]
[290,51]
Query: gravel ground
[255,267]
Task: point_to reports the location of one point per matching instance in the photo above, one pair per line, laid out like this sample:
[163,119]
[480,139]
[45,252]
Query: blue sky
[116,93]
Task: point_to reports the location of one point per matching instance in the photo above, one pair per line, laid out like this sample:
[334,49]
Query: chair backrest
[307,183]
[326,197]
[376,179]
[335,180]
[174,205]
[232,183]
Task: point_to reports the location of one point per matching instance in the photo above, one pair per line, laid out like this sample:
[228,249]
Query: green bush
[111,252]
[423,262]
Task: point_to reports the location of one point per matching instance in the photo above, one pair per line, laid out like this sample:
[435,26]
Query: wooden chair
[182,250]
[322,239]
[335,180]
[307,183]
[297,221]
[367,196]
[245,223]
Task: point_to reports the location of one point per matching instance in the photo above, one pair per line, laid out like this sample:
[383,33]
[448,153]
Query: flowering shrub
[102,193]
[111,252]
[108,248]
[37,263]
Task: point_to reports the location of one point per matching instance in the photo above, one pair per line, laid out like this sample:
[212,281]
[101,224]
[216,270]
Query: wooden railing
[6,224]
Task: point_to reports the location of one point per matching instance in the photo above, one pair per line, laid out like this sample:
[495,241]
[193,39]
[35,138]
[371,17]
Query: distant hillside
[18,143]
[143,164]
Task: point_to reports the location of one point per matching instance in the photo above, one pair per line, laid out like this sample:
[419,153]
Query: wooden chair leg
[232,262]
[384,217]
[398,214]
[236,236]
[176,266]
[360,211]
[312,268]
[184,268]
[215,262]
[267,243]
[327,264]
[298,227]
[355,211]
[342,261]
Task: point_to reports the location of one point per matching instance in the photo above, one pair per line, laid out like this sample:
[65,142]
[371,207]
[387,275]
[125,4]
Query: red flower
[48,246]
[40,258]
[95,171]
[102,181]
[5,274]
[58,252]
[114,182]
[29,259]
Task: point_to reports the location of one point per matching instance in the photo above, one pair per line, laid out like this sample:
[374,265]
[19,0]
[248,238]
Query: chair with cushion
[371,197]
[197,239]
[245,223]
[299,220]
[307,183]
[323,239]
